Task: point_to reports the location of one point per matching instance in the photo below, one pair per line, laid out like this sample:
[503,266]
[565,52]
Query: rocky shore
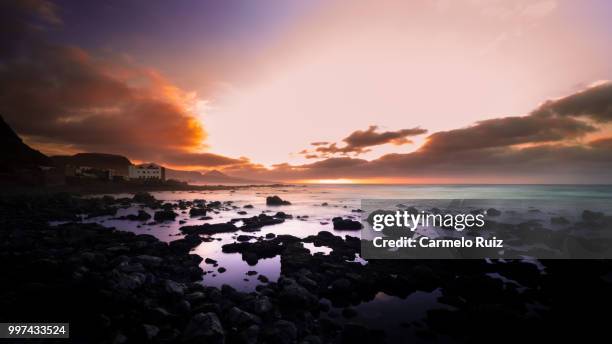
[118,287]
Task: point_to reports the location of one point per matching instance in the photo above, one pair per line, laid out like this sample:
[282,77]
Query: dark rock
[282,332]
[293,294]
[164,215]
[256,222]
[341,285]
[592,216]
[349,312]
[559,220]
[240,318]
[346,224]
[209,229]
[262,305]
[144,197]
[276,201]
[221,270]
[210,261]
[248,206]
[141,216]
[283,215]
[204,327]
[244,238]
[193,212]
[173,288]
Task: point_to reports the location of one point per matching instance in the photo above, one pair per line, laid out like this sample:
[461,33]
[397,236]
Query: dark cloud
[359,141]
[509,131]
[21,20]
[62,96]
[594,102]
[605,142]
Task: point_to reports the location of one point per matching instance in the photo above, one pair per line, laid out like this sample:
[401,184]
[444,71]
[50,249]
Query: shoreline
[117,286]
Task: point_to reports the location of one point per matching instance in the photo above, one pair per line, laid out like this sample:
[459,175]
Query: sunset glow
[321,91]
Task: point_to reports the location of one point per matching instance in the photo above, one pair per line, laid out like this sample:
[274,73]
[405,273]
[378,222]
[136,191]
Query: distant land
[16,157]
[121,165]
[118,163]
[210,177]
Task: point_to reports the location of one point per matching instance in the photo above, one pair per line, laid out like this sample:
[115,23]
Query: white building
[147,171]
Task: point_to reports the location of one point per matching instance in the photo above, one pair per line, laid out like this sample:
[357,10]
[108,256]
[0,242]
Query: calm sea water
[318,204]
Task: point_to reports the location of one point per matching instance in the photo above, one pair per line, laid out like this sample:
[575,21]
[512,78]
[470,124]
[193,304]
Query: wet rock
[221,270]
[141,216]
[263,279]
[204,327]
[164,215]
[592,216]
[187,243]
[150,331]
[283,215]
[210,261]
[193,212]
[173,288]
[346,224]
[125,281]
[311,339]
[281,332]
[244,238]
[262,305]
[209,229]
[256,222]
[341,285]
[240,318]
[248,206]
[144,197]
[349,312]
[276,201]
[270,236]
[251,273]
[293,294]
[242,212]
[560,220]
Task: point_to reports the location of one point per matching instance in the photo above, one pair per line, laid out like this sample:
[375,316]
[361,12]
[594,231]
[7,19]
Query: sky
[370,91]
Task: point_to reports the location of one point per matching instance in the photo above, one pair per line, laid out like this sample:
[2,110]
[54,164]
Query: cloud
[544,146]
[605,142]
[201,159]
[62,96]
[508,131]
[594,103]
[359,141]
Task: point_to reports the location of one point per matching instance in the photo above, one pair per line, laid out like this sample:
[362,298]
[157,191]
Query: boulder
[276,201]
[346,224]
[165,215]
[204,327]
[193,212]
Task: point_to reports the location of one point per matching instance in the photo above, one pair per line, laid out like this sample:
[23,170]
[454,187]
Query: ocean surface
[313,207]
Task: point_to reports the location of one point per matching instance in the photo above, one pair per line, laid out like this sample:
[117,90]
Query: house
[147,171]
[86,172]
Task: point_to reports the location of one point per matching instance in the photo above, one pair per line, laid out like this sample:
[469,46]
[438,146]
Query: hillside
[16,155]
[118,163]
